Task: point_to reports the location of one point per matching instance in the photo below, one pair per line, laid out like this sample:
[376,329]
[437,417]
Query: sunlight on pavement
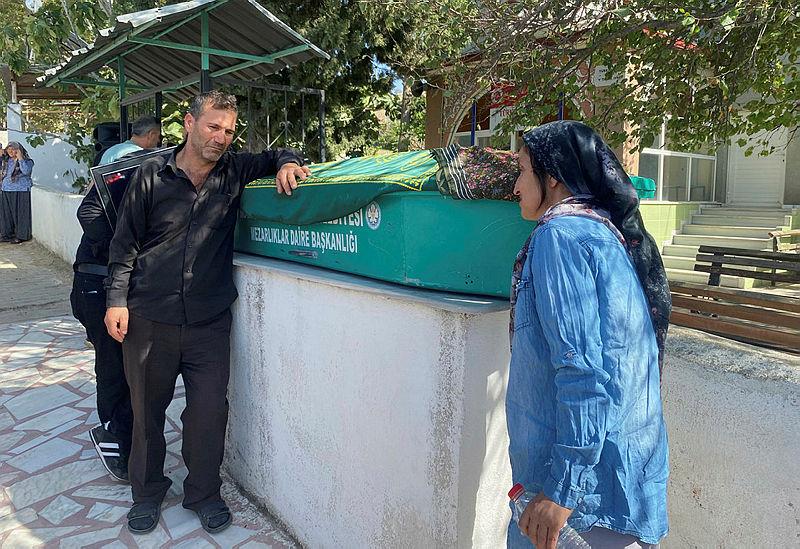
[53,490]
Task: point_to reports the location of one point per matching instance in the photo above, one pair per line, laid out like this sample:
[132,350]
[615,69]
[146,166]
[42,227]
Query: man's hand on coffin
[286,179]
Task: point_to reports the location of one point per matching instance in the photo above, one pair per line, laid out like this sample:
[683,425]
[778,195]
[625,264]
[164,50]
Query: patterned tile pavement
[53,490]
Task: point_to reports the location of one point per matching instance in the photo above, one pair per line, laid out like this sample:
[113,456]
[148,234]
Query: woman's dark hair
[540,173]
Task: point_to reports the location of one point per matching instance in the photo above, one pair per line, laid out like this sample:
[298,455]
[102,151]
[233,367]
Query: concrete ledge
[729,356]
[453,302]
[733,412]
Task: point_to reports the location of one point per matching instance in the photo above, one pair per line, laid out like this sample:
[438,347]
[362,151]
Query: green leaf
[728,21]
[623,12]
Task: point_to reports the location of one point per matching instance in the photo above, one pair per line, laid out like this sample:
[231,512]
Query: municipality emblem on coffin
[373,215]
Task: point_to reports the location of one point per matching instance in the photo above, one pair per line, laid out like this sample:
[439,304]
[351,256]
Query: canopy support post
[123,109]
[206,84]
[322,151]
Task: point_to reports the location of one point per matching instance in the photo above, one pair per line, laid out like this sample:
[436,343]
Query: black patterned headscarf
[573,153]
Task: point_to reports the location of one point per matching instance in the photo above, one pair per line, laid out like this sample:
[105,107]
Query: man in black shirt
[169,293]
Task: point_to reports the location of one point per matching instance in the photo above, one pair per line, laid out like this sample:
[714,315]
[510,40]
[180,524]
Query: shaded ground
[34,283]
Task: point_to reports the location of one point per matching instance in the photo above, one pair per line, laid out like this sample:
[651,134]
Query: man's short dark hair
[214,99]
[144,124]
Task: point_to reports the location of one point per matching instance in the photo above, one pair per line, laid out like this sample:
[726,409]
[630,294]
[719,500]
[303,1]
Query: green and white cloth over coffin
[383,217]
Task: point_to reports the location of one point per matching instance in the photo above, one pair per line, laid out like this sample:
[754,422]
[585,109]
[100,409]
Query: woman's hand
[542,520]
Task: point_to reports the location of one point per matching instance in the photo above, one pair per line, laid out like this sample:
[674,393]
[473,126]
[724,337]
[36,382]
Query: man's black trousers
[88,299]
[155,353]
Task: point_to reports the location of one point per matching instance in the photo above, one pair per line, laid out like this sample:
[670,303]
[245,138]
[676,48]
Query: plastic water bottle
[568,538]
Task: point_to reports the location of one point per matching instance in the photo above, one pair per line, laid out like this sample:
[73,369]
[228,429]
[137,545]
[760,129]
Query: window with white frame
[679,176]
[490,138]
[482,138]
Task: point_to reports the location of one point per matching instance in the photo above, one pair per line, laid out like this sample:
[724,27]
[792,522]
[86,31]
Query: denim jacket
[584,404]
[22,181]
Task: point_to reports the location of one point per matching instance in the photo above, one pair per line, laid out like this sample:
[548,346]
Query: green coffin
[403,231]
[418,239]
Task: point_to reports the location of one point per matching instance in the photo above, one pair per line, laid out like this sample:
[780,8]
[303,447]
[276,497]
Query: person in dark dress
[15,197]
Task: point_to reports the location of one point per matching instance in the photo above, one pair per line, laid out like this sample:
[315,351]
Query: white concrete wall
[55,221]
[53,167]
[349,418]
[733,413]
[369,420]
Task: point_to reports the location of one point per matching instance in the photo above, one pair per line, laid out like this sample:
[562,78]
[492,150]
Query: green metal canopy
[179,49]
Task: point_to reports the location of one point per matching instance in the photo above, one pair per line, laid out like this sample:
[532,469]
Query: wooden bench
[729,261]
[755,317]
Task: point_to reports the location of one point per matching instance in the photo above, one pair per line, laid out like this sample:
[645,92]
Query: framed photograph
[112,179]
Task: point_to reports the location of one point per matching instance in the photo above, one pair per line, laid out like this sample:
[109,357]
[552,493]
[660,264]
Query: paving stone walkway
[53,490]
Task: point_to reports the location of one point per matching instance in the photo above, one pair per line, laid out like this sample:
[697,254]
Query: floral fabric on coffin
[473,173]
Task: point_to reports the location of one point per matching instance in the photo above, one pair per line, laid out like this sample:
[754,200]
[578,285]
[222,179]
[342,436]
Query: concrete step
[678,262]
[739,221]
[728,241]
[681,275]
[676,250]
[717,230]
[744,212]
[743,207]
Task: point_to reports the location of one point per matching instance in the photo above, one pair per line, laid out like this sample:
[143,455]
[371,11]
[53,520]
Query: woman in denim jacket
[15,198]
[590,310]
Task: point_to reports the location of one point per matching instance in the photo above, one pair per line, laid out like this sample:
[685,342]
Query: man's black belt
[92,269]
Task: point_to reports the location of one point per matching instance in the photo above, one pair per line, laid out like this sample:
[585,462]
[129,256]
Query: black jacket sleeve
[97,230]
[255,166]
[130,232]
[92,217]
